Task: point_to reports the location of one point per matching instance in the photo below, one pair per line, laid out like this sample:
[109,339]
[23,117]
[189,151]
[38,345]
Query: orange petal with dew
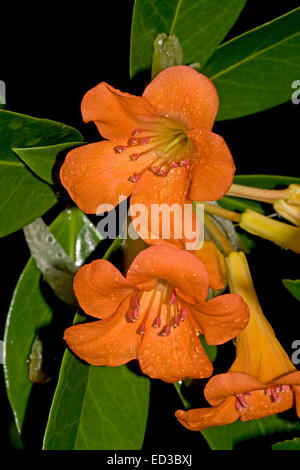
[221,318]
[202,418]
[95,175]
[100,288]
[160,211]
[179,267]
[174,357]
[214,262]
[110,342]
[184,95]
[116,114]
[212,173]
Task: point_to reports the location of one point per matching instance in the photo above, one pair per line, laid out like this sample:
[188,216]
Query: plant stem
[217,235]
[257,194]
[226,214]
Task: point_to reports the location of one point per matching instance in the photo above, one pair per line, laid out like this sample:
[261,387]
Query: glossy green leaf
[293,444]
[293,287]
[29,310]
[200,25]
[97,408]
[41,160]
[255,71]
[25,197]
[211,350]
[226,437]
[167,52]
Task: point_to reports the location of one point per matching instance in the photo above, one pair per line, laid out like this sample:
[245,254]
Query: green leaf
[239,204]
[29,310]
[97,408]
[211,351]
[293,287]
[41,160]
[226,437]
[167,52]
[24,197]
[265,181]
[255,71]
[294,444]
[200,25]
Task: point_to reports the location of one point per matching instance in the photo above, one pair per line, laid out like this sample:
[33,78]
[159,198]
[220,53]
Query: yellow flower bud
[290,212]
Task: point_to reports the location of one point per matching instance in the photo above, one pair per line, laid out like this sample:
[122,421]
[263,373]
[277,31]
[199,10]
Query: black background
[51,54]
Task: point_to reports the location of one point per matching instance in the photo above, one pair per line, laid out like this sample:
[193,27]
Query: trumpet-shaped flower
[160,147]
[154,315]
[262,380]
[284,235]
[290,212]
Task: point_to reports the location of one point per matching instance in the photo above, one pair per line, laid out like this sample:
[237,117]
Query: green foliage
[226,437]
[97,408]
[294,444]
[200,25]
[29,310]
[293,287]
[255,71]
[41,160]
[24,197]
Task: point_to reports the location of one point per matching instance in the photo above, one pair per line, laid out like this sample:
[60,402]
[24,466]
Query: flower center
[160,148]
[160,308]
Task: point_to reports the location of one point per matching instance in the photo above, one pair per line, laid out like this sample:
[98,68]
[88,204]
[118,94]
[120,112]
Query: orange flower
[154,315]
[262,380]
[160,148]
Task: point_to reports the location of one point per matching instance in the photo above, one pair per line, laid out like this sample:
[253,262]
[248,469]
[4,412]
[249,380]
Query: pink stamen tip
[242,400]
[120,148]
[163,173]
[137,132]
[238,406]
[174,164]
[173,298]
[176,321]
[275,396]
[156,169]
[268,391]
[184,163]
[284,388]
[132,141]
[166,331]
[135,178]
[141,330]
[135,156]
[183,315]
[248,393]
[156,323]
[130,317]
[145,140]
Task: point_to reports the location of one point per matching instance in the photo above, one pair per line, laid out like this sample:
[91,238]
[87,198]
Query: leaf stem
[257,194]
[217,210]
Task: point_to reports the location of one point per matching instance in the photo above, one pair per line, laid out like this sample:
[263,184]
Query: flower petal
[212,175]
[174,357]
[110,342]
[160,211]
[179,267]
[116,114]
[100,288]
[221,386]
[214,262]
[94,174]
[202,418]
[184,95]
[221,318]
